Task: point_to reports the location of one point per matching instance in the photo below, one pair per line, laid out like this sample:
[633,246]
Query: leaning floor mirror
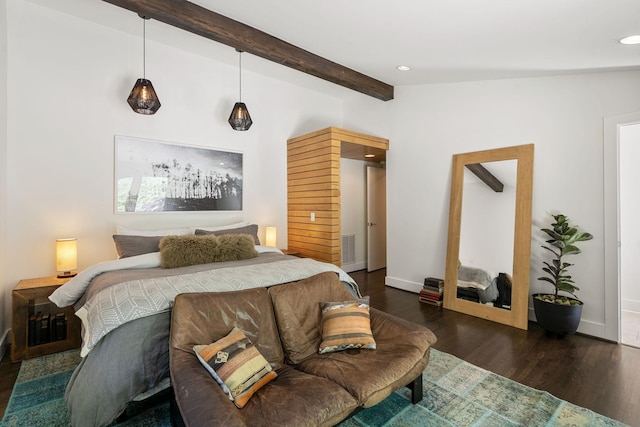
[489,246]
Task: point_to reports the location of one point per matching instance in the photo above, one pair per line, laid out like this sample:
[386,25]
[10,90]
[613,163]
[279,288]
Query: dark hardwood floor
[599,375]
[596,374]
[8,374]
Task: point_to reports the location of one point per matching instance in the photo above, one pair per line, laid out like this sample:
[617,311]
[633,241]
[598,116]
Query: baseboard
[586,327]
[354,266]
[405,285]
[630,305]
[4,343]
[591,328]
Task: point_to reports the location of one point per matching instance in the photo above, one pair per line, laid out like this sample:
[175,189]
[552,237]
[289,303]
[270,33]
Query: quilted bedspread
[131,300]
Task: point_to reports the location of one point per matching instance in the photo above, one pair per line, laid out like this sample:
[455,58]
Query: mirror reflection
[487,233]
[489,246]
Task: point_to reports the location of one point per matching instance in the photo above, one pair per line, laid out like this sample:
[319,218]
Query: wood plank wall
[313,187]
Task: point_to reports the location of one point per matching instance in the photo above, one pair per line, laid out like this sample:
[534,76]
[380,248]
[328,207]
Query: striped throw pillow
[346,325]
[237,365]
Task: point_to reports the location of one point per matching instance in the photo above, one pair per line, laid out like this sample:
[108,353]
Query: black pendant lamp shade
[240,118]
[143,98]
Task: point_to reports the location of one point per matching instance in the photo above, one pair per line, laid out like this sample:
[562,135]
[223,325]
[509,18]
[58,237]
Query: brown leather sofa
[284,323]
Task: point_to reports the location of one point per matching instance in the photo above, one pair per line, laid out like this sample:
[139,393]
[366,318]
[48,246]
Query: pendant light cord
[240,72]
[144,48]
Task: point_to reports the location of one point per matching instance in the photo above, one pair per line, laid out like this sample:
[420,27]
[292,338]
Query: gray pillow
[181,251]
[249,229]
[127,246]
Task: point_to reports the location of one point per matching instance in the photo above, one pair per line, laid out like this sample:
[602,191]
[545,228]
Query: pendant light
[143,98]
[240,118]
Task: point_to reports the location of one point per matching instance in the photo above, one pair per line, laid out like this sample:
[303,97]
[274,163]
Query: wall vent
[348,248]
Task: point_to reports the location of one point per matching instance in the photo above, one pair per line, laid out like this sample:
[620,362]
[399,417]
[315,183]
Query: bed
[125,309]
[483,286]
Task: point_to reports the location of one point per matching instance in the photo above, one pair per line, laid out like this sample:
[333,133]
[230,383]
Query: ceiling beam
[206,23]
[487,177]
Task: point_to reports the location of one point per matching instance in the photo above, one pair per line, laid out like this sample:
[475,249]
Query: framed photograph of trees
[155,176]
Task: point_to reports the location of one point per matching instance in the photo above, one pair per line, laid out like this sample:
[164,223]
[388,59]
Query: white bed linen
[71,291]
[124,302]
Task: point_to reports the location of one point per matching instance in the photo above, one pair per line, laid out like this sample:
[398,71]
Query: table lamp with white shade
[270,236]
[66,257]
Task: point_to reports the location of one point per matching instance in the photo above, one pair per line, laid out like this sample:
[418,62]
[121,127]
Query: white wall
[353,208]
[562,116]
[629,214]
[68,80]
[487,226]
[4,296]
[369,116]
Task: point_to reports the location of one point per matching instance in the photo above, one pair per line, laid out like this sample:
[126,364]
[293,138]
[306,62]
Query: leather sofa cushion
[296,399]
[293,399]
[401,355]
[203,318]
[370,376]
[298,313]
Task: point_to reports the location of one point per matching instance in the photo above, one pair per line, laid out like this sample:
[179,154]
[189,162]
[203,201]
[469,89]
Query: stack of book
[432,291]
[44,328]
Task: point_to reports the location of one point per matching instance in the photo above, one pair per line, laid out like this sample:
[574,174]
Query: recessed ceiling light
[369,156]
[403,67]
[631,40]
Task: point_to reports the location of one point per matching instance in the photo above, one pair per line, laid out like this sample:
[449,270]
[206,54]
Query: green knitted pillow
[181,251]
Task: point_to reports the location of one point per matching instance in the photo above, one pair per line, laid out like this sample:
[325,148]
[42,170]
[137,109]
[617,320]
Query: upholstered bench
[284,324]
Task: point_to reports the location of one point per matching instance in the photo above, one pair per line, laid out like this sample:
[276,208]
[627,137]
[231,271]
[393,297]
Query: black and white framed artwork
[155,176]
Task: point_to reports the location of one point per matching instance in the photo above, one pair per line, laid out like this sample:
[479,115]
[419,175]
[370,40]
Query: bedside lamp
[66,257]
[270,237]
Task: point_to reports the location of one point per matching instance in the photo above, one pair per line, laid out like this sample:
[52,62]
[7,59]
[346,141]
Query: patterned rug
[456,393]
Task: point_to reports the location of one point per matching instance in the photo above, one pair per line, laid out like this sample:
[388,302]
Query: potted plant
[556,313]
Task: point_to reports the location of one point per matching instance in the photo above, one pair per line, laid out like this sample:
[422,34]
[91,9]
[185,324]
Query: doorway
[376,218]
[315,192]
[622,294]
[629,252]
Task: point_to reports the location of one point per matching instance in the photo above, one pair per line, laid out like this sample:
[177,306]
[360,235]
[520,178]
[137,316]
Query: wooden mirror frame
[518,315]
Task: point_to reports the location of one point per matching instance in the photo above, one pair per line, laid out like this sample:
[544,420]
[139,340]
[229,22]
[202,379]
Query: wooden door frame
[313,188]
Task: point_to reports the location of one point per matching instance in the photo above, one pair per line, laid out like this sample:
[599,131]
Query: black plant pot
[557,318]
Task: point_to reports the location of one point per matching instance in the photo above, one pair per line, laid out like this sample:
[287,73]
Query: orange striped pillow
[237,365]
[346,325]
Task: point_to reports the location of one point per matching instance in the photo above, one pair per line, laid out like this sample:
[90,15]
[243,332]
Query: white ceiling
[451,40]
[441,40]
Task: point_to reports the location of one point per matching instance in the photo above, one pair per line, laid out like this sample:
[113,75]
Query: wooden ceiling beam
[487,177]
[206,23]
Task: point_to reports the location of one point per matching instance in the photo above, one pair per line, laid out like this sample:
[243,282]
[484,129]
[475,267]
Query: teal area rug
[456,393]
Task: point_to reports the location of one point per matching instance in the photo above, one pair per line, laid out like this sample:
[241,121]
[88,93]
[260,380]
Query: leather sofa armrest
[386,326]
[200,399]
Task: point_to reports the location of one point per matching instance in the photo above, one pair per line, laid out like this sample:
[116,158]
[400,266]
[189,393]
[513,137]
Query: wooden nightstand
[33,337]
